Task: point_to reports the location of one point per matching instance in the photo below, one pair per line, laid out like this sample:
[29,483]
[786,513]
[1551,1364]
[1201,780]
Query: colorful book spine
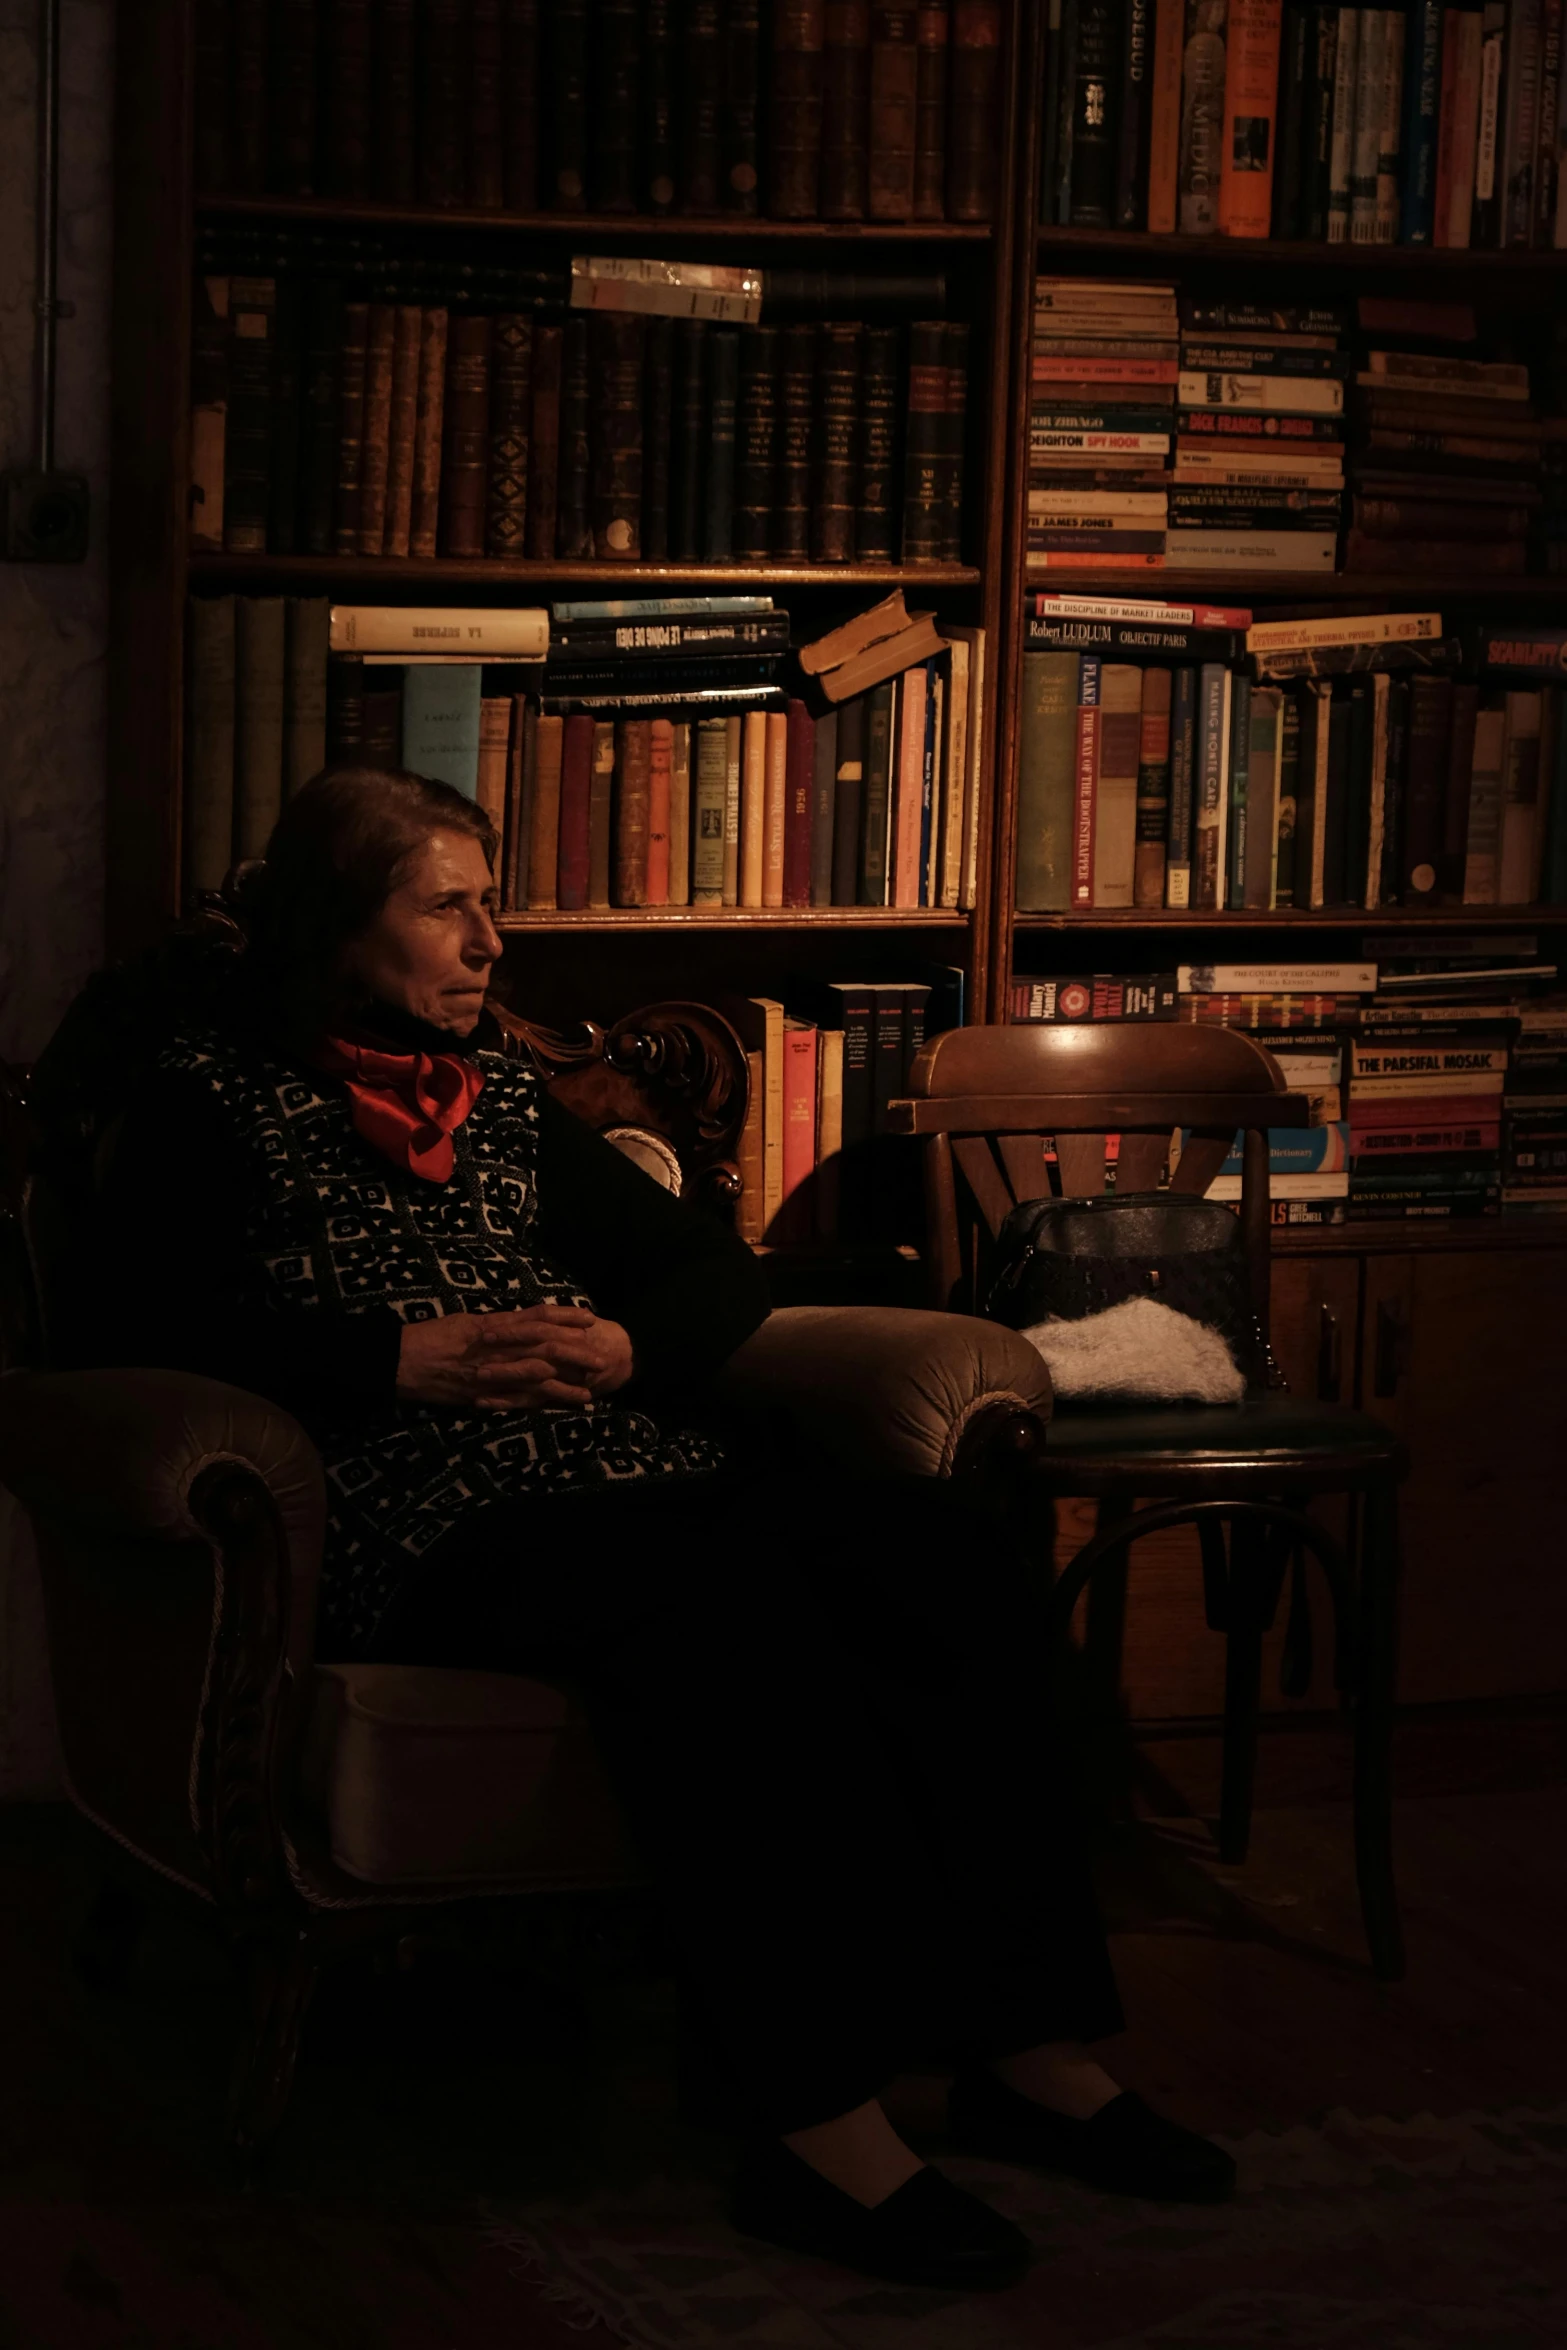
[1250,103]
[1085,780]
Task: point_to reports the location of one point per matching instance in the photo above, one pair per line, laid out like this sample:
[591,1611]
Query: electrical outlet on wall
[45,516]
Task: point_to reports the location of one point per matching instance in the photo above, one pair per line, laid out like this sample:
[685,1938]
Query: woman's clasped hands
[544,1354]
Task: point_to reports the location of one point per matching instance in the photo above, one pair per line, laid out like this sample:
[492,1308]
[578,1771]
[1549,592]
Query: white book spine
[1284,395]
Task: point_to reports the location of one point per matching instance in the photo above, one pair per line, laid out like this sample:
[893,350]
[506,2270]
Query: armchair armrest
[179,1526]
[889,1388]
[130,1452]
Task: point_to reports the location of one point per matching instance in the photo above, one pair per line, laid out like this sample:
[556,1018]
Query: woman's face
[430,949]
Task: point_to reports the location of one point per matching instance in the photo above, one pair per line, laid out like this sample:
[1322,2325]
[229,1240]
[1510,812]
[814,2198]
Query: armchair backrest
[669,1084]
[987,1102]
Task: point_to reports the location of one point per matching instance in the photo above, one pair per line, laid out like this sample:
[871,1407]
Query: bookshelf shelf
[689,918]
[1303,591]
[1414,918]
[1410,1236]
[599,228]
[448,571]
[1081,246]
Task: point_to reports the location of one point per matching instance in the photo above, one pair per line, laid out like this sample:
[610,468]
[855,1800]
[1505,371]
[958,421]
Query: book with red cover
[798,781]
[799,1128]
[1085,782]
[1401,1113]
[576,777]
[1373,1144]
[661,757]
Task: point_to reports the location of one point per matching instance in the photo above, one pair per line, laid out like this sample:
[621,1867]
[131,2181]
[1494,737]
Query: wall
[52,632]
[53,617]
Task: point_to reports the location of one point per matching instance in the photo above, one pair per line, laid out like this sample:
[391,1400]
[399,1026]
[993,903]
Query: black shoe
[927,2232]
[1125,2147]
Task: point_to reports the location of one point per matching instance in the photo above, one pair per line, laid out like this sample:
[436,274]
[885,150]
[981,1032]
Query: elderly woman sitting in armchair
[820,1696]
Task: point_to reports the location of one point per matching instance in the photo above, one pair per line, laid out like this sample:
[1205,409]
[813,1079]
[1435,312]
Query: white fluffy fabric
[1139,1352]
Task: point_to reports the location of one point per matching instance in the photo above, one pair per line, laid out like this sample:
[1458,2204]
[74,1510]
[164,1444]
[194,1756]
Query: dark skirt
[824,1702]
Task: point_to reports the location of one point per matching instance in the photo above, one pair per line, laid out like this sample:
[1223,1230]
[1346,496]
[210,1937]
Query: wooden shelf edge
[600,227]
[496,571]
[1293,918]
[1420,1235]
[1301,590]
[1271,252]
[689,918]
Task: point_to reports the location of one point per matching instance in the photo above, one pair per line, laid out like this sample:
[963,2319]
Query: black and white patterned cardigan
[333,1226]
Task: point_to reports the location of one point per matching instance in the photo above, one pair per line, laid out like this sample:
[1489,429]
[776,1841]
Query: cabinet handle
[1329,1356]
[1390,1352]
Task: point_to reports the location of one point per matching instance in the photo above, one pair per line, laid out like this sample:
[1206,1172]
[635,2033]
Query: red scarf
[406,1105]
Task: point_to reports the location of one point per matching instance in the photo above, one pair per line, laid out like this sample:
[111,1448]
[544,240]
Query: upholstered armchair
[317,1807]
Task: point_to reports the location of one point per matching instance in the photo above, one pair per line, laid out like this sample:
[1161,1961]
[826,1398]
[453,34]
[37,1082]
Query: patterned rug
[1430,2234]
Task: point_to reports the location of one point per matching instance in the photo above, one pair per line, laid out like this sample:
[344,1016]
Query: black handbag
[1064,1259]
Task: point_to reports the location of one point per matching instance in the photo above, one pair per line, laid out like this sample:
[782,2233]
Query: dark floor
[420,2094]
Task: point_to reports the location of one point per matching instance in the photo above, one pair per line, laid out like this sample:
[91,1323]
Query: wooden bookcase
[598,962]
[1491,1291]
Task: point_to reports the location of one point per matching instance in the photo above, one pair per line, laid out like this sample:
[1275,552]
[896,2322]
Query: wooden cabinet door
[1466,1356]
[1316,1321]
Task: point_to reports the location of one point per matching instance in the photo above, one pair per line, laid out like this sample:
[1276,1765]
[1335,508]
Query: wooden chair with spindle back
[986,1104]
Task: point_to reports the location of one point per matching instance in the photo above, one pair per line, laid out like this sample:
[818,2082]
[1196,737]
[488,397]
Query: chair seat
[1265,1441]
[426,1777]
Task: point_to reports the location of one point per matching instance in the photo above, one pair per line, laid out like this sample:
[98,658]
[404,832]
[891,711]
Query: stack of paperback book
[1105,363]
[1343,125]
[1425,1104]
[414,411]
[1437,1080]
[614,106]
[1446,459]
[1534,1111]
[1259,453]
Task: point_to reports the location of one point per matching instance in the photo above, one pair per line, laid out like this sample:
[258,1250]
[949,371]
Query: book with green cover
[707,814]
[1046,782]
[441,725]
